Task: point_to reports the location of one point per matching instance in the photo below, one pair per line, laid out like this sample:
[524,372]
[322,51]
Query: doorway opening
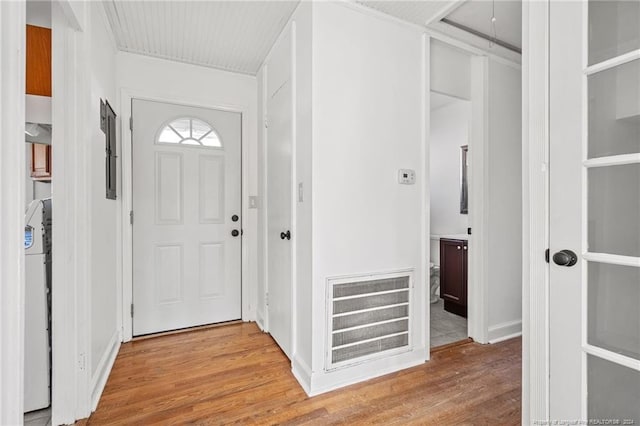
[449,218]
[38,219]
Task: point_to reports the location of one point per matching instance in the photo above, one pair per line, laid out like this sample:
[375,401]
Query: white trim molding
[302,372]
[71,316]
[504,331]
[12,194]
[99,379]
[425,206]
[478,277]
[535,233]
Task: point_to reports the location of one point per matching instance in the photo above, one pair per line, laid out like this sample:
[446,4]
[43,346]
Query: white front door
[279,187]
[594,175]
[187,224]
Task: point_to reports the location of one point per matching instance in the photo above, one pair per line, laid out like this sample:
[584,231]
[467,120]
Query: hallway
[237,374]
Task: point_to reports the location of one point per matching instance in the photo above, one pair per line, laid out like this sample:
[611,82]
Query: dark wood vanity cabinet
[453,275]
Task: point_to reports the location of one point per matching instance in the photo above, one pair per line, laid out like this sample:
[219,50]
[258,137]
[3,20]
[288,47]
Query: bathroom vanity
[453,275]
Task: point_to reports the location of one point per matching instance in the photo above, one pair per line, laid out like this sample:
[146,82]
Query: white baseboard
[103,370]
[505,331]
[302,372]
[260,320]
[324,381]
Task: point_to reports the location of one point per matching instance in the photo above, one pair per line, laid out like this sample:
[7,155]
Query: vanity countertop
[464,237]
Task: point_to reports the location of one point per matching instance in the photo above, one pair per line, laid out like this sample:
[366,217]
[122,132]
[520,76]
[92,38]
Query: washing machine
[37,321]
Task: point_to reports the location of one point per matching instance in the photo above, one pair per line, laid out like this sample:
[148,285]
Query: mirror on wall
[464,185]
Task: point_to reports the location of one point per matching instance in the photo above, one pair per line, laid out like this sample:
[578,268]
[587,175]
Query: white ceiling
[237,35]
[439,100]
[476,14]
[473,14]
[416,12]
[229,35]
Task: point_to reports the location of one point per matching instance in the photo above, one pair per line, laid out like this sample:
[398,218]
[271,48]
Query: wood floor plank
[237,375]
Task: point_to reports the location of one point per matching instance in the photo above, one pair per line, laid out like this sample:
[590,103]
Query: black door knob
[565,258]
[235,233]
[235,218]
[285,235]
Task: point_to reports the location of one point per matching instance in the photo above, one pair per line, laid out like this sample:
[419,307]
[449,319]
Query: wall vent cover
[368,317]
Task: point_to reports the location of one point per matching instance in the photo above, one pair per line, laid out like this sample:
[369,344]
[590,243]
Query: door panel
[594,172]
[279,193]
[186,188]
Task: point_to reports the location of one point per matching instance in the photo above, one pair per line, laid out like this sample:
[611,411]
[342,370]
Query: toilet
[435,281]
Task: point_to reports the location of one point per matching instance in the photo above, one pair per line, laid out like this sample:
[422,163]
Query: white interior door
[187,225]
[279,199]
[594,166]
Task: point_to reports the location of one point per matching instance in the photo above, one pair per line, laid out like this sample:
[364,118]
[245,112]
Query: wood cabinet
[453,275]
[38,64]
[40,161]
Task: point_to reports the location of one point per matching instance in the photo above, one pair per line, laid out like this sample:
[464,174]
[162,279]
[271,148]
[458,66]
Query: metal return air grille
[368,318]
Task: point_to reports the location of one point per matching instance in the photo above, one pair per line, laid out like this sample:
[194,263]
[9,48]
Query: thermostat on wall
[406,176]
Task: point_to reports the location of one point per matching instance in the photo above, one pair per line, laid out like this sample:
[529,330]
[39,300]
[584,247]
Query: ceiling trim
[445,10]
[104,17]
[453,36]
[182,61]
[474,44]
[483,35]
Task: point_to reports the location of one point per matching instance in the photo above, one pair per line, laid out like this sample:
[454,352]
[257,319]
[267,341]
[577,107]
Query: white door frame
[535,190]
[12,195]
[71,292]
[478,283]
[477,276]
[289,28]
[126,96]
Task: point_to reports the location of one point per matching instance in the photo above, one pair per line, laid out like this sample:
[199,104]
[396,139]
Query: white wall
[104,213]
[450,70]
[449,131]
[153,78]
[367,123]
[504,163]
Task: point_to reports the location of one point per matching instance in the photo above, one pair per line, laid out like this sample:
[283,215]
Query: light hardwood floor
[237,375]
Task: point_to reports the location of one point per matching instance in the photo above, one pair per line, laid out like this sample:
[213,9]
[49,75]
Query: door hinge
[131,217]
[546,255]
[132,310]
[131,123]
[266,123]
[82,361]
[266,298]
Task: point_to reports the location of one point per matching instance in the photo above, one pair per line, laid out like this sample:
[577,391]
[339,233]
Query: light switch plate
[406,176]
[253,201]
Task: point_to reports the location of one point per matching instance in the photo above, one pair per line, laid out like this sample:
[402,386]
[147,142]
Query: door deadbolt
[235,218]
[565,258]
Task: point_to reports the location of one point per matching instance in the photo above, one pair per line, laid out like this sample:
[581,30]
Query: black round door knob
[235,218]
[565,258]
[235,233]
[285,235]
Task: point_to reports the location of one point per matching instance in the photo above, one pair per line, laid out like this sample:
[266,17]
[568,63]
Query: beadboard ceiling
[230,35]
[237,35]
